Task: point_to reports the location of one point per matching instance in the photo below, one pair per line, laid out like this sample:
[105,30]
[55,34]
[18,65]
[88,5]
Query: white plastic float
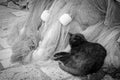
[45,15]
[65,19]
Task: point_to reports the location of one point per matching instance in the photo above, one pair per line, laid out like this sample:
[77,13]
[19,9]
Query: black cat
[84,58]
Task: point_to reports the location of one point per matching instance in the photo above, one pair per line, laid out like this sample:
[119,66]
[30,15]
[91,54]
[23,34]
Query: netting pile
[31,38]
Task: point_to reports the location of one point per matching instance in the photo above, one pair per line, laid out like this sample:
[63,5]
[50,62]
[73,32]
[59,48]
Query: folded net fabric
[31,34]
[29,38]
[95,19]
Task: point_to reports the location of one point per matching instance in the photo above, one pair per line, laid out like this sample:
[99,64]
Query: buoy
[45,15]
[65,19]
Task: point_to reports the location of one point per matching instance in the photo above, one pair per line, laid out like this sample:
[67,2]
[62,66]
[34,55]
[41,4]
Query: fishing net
[97,20]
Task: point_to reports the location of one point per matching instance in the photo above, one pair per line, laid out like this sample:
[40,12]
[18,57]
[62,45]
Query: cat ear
[83,37]
[70,33]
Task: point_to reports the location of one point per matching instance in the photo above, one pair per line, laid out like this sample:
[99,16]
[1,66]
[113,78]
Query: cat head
[76,39]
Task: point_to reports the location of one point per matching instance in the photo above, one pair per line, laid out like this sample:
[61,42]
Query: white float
[65,19]
[45,15]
